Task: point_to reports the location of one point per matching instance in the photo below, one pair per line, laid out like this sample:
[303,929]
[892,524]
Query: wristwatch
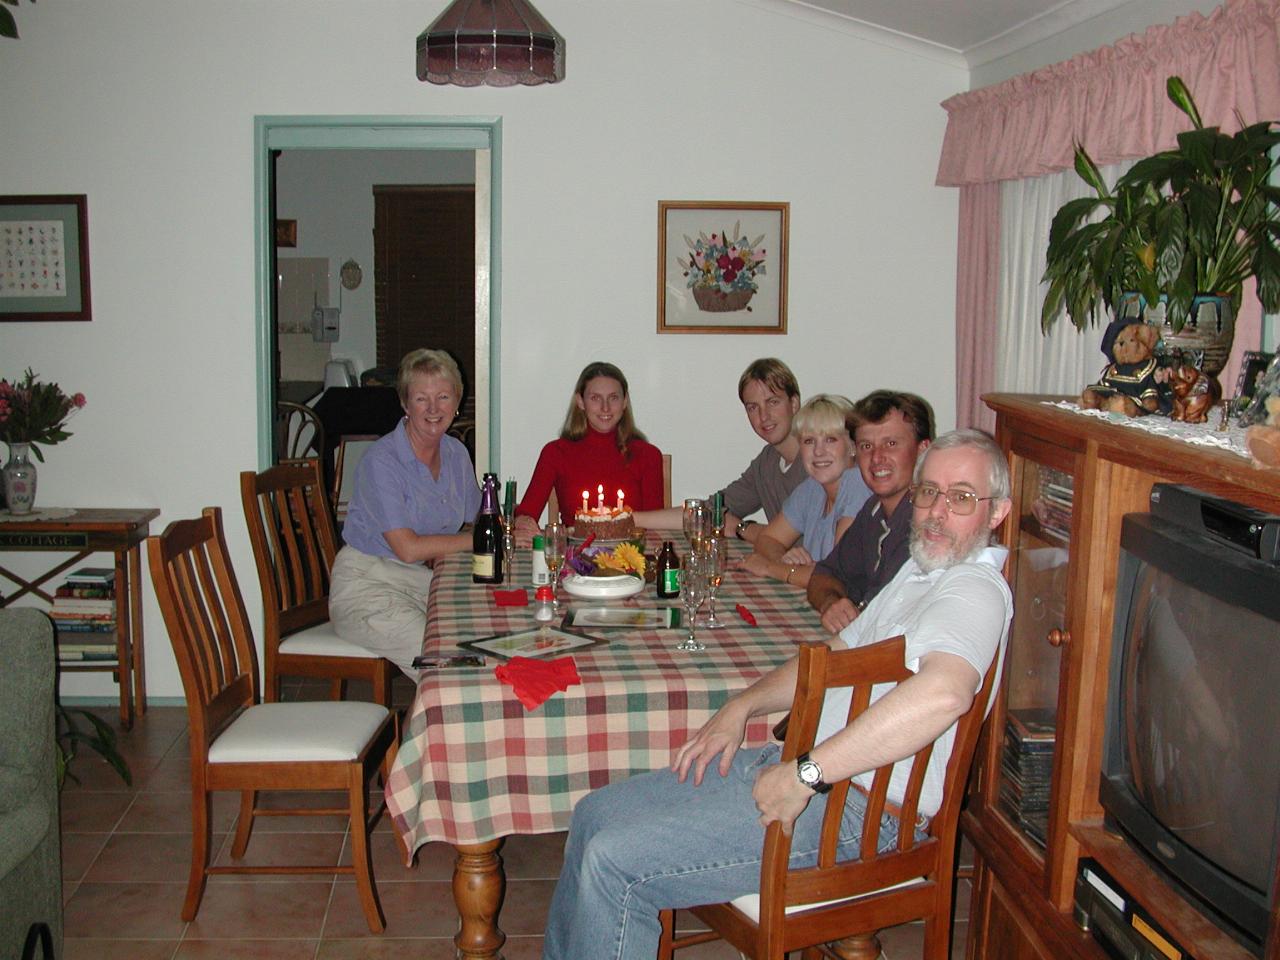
[810,774]
[742,526]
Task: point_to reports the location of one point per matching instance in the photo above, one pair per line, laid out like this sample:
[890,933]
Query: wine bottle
[486,538]
[668,578]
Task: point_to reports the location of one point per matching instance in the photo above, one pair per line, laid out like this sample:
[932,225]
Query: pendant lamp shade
[495,42]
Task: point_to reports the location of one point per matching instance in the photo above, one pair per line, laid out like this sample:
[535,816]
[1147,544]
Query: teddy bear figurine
[1129,384]
[1263,439]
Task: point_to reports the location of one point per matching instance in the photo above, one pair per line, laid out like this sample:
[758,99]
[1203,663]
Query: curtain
[1112,100]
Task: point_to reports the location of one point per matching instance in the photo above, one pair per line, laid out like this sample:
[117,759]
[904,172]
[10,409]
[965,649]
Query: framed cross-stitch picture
[44,258]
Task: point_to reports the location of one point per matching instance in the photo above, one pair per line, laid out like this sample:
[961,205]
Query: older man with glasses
[670,840]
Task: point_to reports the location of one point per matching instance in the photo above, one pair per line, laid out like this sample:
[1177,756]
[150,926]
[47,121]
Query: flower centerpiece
[625,558]
[31,413]
[721,269]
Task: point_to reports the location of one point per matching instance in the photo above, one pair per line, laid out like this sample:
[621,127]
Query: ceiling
[966,27]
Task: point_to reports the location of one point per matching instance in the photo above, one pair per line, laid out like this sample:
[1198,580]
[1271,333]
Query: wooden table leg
[478,888]
[124,641]
[135,628]
[862,947]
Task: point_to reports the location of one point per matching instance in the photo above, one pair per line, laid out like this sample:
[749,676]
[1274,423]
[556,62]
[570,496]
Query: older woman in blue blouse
[822,508]
[415,491]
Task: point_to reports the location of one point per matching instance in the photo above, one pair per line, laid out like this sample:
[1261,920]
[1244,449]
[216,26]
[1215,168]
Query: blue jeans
[652,843]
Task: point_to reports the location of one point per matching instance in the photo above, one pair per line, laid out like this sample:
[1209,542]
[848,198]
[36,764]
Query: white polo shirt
[962,610]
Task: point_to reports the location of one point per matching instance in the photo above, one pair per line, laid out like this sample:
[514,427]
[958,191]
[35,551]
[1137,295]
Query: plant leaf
[8,26]
[1181,97]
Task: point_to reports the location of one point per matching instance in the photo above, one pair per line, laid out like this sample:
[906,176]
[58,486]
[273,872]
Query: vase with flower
[31,413]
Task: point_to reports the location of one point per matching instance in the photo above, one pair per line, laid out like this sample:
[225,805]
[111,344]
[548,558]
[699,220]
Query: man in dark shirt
[891,430]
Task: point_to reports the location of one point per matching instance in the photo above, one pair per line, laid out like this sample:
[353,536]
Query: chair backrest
[820,669]
[298,432]
[351,450]
[291,529]
[553,502]
[207,624]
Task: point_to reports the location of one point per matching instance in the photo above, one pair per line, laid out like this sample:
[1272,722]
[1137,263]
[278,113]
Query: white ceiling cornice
[1070,13]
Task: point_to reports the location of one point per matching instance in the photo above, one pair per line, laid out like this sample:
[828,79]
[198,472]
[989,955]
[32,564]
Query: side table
[118,531]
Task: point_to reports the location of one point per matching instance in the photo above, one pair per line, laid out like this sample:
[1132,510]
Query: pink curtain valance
[1113,99]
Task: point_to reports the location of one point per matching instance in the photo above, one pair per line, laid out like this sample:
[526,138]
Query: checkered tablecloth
[474,765]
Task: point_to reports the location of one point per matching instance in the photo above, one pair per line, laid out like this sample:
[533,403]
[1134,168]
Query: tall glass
[717,558]
[555,538]
[693,590]
[697,519]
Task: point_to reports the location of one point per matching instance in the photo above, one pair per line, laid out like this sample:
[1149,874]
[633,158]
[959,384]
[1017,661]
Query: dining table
[475,766]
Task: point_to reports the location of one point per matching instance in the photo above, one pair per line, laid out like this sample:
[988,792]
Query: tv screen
[1192,758]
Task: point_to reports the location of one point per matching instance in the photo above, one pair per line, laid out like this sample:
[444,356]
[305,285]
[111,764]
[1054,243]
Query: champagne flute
[554,540]
[697,519]
[693,590]
[717,560]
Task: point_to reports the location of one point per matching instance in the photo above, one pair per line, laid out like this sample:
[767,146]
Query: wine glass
[693,590]
[554,540]
[697,519]
[716,553]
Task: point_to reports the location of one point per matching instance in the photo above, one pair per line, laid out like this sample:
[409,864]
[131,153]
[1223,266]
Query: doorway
[478,139]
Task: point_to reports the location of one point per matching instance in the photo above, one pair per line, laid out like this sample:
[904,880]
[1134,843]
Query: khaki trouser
[380,604]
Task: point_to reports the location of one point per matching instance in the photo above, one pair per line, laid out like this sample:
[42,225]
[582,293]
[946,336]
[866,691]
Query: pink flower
[79,400]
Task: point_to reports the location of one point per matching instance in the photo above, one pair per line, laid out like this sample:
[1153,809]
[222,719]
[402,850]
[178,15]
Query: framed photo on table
[1253,364]
[1263,383]
[44,257]
[722,266]
[535,642]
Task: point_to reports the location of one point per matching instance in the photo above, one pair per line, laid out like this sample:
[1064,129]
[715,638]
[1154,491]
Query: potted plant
[1183,227]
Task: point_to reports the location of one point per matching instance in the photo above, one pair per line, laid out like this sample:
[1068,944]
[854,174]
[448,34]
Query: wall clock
[351,275]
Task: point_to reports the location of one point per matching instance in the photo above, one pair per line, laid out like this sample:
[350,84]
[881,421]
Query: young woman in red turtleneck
[599,444]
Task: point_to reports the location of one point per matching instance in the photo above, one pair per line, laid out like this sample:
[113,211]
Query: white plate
[603,588]
[575,540]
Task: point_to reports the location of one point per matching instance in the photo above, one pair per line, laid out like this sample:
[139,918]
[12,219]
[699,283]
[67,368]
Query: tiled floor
[126,852]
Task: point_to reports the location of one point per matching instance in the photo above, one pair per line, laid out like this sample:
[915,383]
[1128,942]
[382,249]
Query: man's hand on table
[839,614]
[721,735]
[779,795]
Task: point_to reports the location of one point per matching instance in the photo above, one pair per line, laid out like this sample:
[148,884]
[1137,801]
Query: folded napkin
[746,615]
[511,598]
[533,681]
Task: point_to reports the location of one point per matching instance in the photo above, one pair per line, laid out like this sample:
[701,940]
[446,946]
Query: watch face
[810,773]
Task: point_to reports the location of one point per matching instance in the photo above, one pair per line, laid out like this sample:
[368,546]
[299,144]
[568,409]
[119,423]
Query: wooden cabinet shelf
[1074,478]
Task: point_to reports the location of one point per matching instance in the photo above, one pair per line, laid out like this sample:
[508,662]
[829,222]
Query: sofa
[30,859]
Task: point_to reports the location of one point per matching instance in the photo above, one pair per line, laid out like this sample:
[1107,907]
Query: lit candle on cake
[584,501]
[619,499]
[600,497]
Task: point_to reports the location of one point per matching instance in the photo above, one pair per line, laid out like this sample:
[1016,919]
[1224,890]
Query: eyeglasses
[960,502]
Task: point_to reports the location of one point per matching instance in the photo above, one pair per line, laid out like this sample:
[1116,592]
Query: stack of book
[1027,769]
[84,613]
[1054,506]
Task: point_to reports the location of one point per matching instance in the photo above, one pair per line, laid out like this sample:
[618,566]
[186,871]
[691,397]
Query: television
[1191,755]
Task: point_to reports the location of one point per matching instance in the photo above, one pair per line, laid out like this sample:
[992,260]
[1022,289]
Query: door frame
[483,135]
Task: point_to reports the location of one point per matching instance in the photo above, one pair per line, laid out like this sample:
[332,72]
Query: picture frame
[1253,364]
[44,257]
[698,291]
[286,233]
[1266,385]
[543,641]
[628,618]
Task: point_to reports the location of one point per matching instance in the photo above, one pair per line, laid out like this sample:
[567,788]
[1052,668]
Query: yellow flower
[624,558]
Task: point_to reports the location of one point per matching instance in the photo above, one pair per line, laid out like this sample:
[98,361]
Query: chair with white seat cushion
[836,907]
[291,530]
[240,744]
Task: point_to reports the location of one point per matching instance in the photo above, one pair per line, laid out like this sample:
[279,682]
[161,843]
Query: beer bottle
[668,578]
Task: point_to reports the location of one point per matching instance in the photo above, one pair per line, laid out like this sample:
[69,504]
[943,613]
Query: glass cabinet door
[1038,571]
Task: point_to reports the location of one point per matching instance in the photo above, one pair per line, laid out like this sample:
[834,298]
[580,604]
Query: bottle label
[482,565]
[671,580]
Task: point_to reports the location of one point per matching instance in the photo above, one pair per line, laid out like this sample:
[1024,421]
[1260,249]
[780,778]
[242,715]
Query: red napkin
[533,681]
[511,598]
[746,615]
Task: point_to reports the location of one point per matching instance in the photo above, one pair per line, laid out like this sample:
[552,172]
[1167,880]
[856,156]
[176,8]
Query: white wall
[148,105]
[330,194]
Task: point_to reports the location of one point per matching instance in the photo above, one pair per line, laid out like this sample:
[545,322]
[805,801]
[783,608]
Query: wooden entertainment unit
[1074,478]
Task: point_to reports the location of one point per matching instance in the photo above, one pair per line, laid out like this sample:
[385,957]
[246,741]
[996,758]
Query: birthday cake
[607,523]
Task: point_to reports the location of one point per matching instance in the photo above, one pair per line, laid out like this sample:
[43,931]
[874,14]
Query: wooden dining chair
[351,449]
[240,744]
[848,900]
[299,432]
[291,530]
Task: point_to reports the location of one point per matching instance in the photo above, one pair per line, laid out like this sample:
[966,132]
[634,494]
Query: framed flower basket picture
[722,266]
[44,258]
